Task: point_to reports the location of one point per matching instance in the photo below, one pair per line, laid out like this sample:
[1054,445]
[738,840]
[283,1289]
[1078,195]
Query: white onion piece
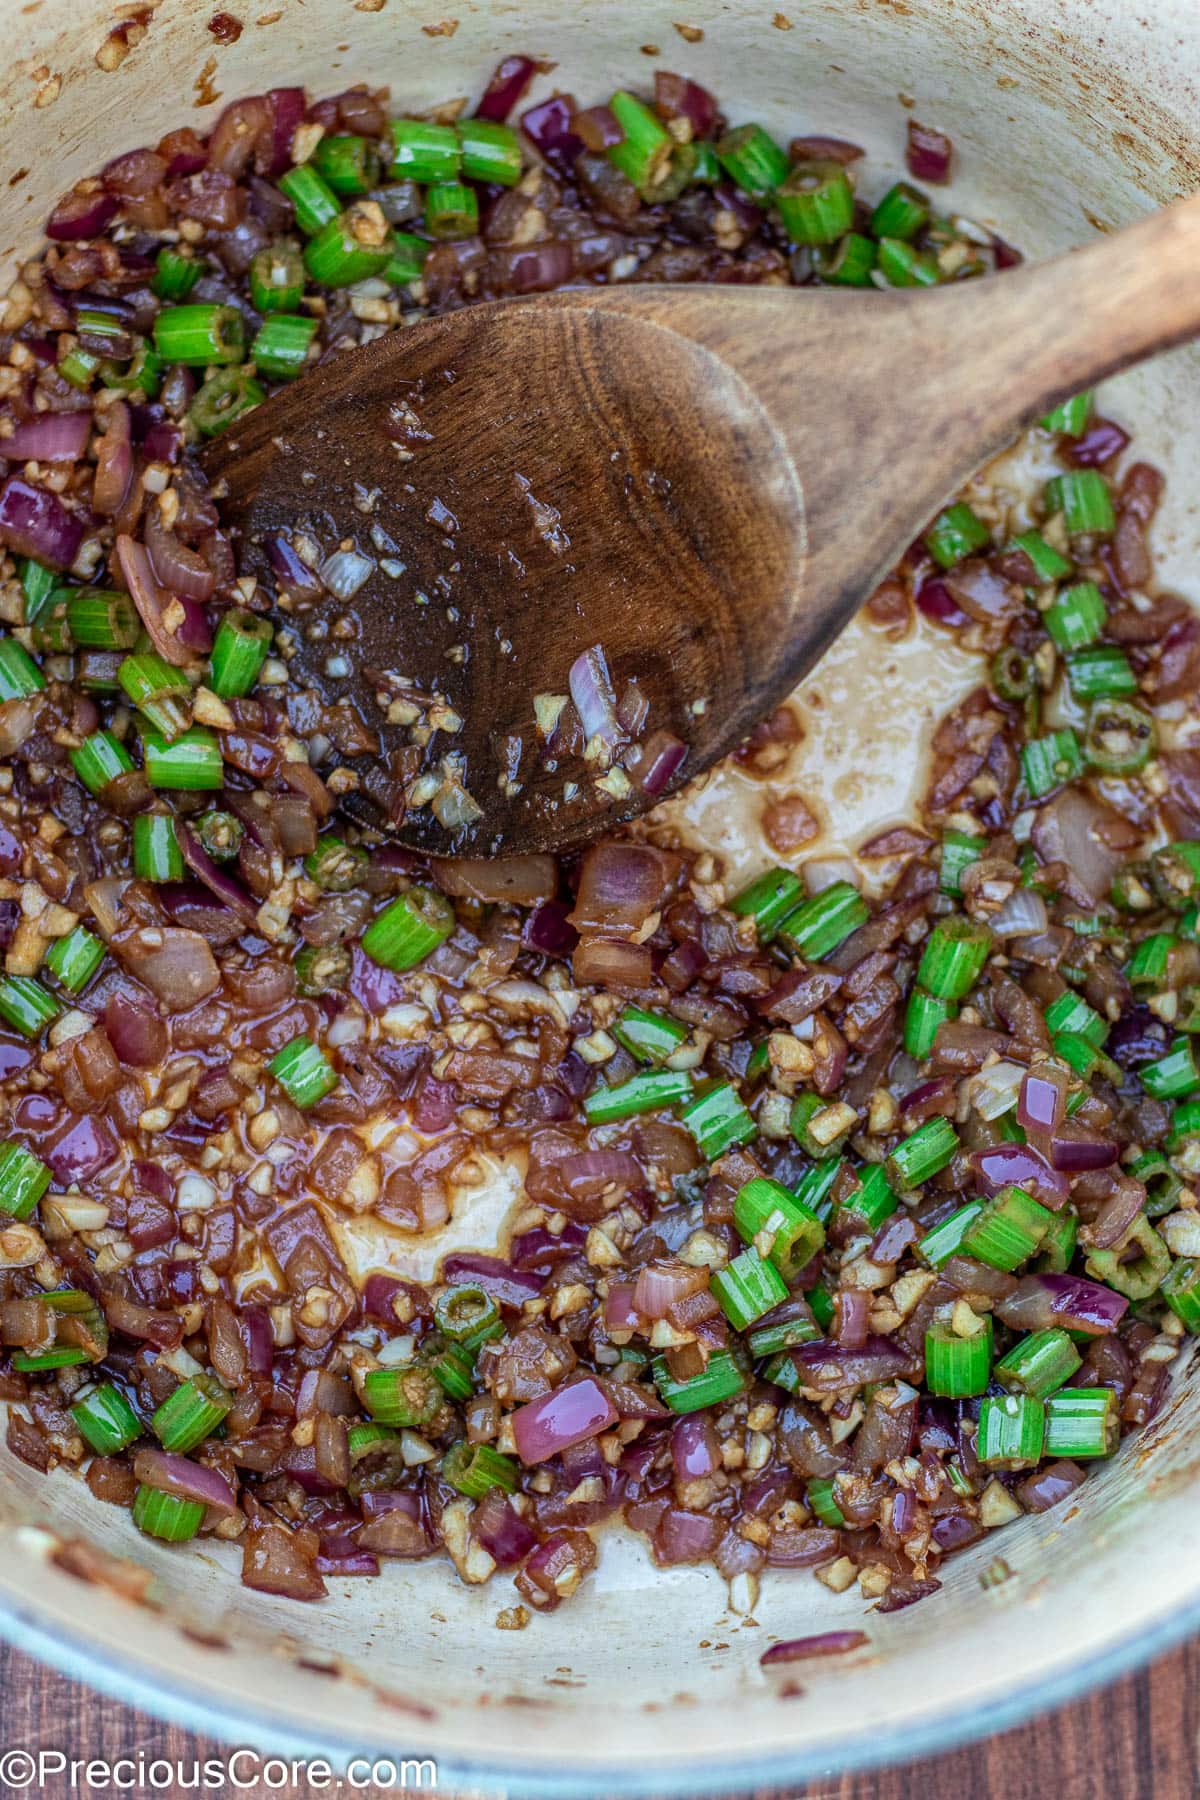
[345,572]
[822,871]
[996,1091]
[453,807]
[592,691]
[1023,914]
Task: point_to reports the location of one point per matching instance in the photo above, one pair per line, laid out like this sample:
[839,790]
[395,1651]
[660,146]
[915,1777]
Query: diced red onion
[114,463]
[832,1367]
[657,762]
[605,962]
[817,148]
[291,571]
[548,128]
[81,216]
[633,1400]
[504,1534]
[731,199]
[163,441]
[319,1391]
[493,1275]
[150,598]
[1117,1213]
[1043,1102]
[935,600]
[954,1531]
[598,127]
[34,522]
[506,87]
[227,889]
[1049,1486]
[907,1593]
[287,112]
[620,1314]
[379,1294]
[273,1563]
[1136,1038]
[85,1146]
[187,1480]
[904,1506]
[1042,1301]
[135,1031]
[1020,1165]
[825,1643]
[686,1537]
[928,153]
[678,97]
[333,1559]
[853,1317]
[545,1427]
[620,885]
[1102,440]
[1067,830]
[183,571]
[695,1451]
[549,930]
[300,1466]
[660,1285]
[434,1108]
[532,268]
[258,1337]
[48,437]
[538,1249]
[590,1177]
[592,691]
[1073,1150]
[153,1179]
[516,880]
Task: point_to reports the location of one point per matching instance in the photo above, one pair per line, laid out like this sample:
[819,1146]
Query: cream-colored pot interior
[1069,116]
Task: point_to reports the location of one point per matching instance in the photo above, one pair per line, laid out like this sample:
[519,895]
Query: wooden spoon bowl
[706,482]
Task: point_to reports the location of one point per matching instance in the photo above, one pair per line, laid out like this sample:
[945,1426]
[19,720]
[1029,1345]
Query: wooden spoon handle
[888,400]
[1038,334]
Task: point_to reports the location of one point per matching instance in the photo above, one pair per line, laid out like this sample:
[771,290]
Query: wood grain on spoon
[706,481]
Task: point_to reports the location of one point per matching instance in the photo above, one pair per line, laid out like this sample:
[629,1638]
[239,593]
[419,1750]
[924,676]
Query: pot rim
[163,1698]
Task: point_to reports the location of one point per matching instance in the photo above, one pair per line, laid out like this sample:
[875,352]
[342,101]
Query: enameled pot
[1069,116]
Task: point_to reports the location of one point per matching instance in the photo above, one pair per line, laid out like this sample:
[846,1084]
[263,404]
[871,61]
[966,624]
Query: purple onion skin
[548,128]
[935,600]
[1020,1165]
[694,1448]
[496,1277]
[34,522]
[1073,1156]
[548,929]
[74,218]
[898,1597]
[826,1643]
[82,1151]
[1041,1104]
[49,437]
[577,1410]
[1136,1038]
[507,86]
[349,1562]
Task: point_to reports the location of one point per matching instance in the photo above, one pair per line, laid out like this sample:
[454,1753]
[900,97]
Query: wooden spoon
[705,481]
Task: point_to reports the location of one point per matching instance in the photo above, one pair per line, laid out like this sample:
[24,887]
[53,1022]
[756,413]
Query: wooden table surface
[1137,1740]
